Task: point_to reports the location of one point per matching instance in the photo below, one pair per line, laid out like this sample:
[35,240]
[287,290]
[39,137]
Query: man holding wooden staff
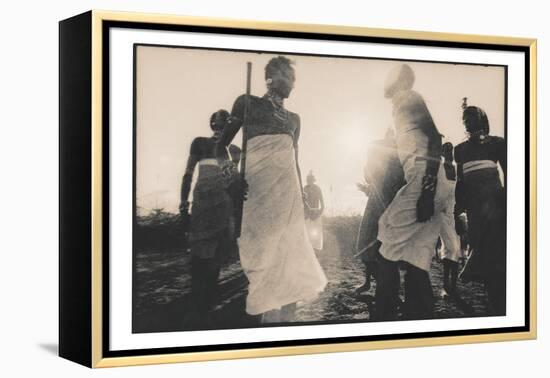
[276,254]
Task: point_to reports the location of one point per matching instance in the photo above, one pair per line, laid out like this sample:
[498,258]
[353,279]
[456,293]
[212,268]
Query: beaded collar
[279,112]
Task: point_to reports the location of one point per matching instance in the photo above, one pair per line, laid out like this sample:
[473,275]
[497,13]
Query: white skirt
[315,233]
[276,253]
[450,241]
[403,237]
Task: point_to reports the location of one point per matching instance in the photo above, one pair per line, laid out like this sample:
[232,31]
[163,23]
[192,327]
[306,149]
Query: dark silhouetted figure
[481,195]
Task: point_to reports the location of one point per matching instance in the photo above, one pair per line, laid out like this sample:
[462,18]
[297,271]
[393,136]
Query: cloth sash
[479,164]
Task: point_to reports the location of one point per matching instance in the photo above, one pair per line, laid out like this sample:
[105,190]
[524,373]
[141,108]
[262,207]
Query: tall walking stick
[239,217]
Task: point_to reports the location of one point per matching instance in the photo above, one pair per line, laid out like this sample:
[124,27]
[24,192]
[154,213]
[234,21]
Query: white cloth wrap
[315,232]
[403,237]
[450,248]
[276,254]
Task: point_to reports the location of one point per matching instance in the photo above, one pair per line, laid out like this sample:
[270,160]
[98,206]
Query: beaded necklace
[279,112]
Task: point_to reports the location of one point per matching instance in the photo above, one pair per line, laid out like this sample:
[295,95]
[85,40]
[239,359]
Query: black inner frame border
[106,25]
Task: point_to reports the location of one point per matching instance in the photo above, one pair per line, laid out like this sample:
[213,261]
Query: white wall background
[28,190]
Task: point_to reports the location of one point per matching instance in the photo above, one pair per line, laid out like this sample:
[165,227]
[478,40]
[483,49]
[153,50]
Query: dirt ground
[162,289]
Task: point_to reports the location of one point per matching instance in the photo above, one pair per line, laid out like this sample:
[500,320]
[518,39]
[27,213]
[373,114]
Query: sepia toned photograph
[281,189]
[236,189]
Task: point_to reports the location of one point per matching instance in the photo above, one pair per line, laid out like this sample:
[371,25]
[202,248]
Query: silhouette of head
[400,78]
[280,76]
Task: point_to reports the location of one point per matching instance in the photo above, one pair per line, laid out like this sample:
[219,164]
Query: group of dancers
[423,193]
[416,197]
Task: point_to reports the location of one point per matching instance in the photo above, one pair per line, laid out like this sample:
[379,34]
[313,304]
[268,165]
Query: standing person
[481,195]
[450,242]
[211,225]
[383,178]
[315,205]
[276,254]
[410,226]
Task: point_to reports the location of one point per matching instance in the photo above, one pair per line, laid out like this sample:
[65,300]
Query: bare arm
[296,138]
[425,207]
[460,194]
[188,176]
[448,159]
[502,157]
[434,149]
[459,190]
[231,128]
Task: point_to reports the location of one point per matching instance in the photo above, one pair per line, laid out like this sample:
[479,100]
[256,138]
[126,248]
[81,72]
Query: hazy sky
[340,103]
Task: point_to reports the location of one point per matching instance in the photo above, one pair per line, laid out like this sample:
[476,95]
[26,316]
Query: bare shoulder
[234,148]
[198,141]
[495,139]
[459,148]
[242,98]
[294,117]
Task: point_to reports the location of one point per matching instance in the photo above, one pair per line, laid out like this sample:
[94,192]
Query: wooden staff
[239,220]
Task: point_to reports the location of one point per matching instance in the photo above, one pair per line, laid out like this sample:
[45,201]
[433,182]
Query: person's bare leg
[367,285]
[271,316]
[388,282]
[288,312]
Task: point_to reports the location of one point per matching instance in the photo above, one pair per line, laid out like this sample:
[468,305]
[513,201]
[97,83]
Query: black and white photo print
[282,189]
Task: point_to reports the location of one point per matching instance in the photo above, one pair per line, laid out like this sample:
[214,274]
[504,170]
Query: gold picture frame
[85,236]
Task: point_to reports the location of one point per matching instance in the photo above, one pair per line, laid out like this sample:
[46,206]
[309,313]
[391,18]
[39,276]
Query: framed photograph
[233,189]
